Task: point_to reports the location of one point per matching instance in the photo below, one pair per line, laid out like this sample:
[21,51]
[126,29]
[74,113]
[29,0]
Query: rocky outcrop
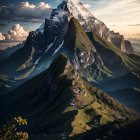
[78,46]
[116,39]
[82,53]
[35,45]
[128,49]
[52,30]
[38,41]
[41,40]
[90,23]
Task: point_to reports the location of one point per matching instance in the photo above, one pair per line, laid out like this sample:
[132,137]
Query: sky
[18,17]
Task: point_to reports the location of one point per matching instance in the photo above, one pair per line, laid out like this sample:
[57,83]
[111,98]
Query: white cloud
[117,12]
[120,11]
[15,34]
[2,37]
[25,11]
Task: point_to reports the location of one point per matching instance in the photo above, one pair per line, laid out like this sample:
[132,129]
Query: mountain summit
[91,23]
[52,32]
[88,33]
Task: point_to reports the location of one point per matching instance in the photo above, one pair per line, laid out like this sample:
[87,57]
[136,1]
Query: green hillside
[131,62]
[76,38]
[70,108]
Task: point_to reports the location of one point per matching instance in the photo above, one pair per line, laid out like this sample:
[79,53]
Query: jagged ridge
[62,104]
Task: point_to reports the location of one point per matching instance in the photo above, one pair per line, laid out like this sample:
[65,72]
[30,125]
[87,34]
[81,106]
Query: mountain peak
[78,10]
[71,8]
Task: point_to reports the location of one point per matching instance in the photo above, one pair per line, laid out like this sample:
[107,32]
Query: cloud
[134,25]
[25,11]
[2,37]
[120,12]
[15,34]
[133,36]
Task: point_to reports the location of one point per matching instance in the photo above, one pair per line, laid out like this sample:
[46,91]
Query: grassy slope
[76,38]
[50,112]
[134,57]
[130,63]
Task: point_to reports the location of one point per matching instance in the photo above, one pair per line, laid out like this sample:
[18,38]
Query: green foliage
[9,130]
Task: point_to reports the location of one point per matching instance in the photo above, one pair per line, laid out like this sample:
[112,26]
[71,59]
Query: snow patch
[60,16]
[49,47]
[36,62]
[77,9]
[60,46]
[41,28]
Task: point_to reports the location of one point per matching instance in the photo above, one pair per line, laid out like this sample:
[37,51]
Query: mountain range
[69,77]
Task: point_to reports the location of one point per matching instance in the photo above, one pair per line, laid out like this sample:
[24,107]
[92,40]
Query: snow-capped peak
[78,10]
[75,8]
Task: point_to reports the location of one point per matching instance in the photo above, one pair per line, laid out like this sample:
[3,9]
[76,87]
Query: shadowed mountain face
[62,76]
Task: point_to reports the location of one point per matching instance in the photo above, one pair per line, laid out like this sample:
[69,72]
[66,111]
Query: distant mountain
[4,54]
[135,43]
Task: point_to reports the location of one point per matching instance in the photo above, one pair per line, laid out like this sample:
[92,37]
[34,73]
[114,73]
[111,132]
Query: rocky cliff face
[35,45]
[49,35]
[129,48]
[40,40]
[90,23]
[66,31]
[82,53]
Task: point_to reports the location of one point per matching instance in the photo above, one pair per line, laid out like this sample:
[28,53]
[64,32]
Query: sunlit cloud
[25,11]
[134,25]
[2,37]
[117,15]
[15,34]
